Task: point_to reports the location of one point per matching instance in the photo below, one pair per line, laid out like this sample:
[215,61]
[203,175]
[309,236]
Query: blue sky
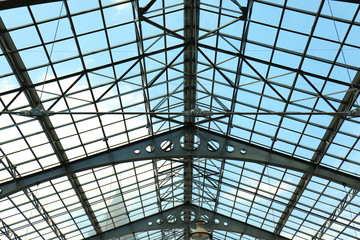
[261,87]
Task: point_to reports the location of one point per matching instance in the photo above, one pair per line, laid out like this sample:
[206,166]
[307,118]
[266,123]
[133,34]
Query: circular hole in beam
[205,218]
[243,151]
[230,148]
[212,145]
[167,145]
[192,216]
[171,219]
[190,144]
[137,151]
[150,148]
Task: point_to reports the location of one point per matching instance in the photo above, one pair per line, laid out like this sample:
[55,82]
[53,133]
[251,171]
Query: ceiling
[131,119]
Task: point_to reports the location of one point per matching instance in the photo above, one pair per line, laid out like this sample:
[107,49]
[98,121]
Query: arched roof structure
[130,119]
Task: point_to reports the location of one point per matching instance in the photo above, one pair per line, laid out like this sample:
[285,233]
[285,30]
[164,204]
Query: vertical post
[191,33]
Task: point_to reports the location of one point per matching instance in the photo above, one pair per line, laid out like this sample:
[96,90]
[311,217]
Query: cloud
[8,83]
[122,5]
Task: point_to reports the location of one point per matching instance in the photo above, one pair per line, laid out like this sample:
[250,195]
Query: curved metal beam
[168,146]
[172,218]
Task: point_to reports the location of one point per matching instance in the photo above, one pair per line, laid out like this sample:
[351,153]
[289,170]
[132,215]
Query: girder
[273,64]
[16,63]
[44,214]
[350,1]
[7,4]
[346,105]
[7,231]
[336,213]
[137,151]
[222,72]
[173,218]
[191,34]
[94,69]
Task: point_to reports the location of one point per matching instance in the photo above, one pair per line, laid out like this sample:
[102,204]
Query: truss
[129,119]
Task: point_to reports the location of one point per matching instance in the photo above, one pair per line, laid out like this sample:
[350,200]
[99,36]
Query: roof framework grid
[131,119]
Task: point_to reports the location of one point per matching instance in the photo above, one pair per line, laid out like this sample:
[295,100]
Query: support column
[191,26]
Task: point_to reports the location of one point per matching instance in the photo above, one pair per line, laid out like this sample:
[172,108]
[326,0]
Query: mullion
[163,10]
[67,210]
[297,74]
[89,70]
[242,166]
[219,8]
[320,212]
[27,144]
[306,48]
[166,64]
[103,196]
[142,63]
[290,69]
[115,76]
[138,190]
[340,49]
[271,58]
[351,221]
[349,152]
[27,219]
[305,35]
[312,208]
[89,212]
[268,110]
[213,64]
[274,83]
[73,14]
[76,38]
[255,194]
[306,12]
[275,195]
[243,44]
[48,55]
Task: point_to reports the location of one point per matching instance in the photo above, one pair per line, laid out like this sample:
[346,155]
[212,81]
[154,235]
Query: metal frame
[174,140]
[137,152]
[7,4]
[24,80]
[174,218]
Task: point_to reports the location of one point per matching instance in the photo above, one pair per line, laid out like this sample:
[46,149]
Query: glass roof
[94,95]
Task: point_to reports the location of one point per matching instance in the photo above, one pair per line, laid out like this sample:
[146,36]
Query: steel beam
[336,213]
[94,69]
[346,105]
[191,34]
[173,218]
[168,31]
[20,71]
[349,1]
[44,214]
[7,231]
[147,7]
[290,69]
[137,151]
[7,4]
